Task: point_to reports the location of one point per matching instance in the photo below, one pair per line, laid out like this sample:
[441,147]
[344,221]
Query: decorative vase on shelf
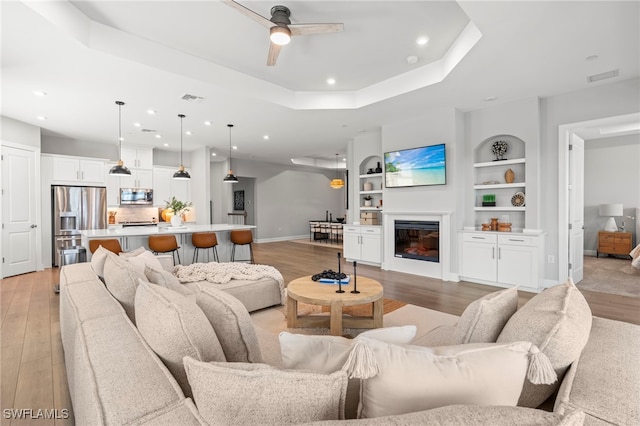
[176,220]
[509,176]
[368,186]
[378,168]
[367,203]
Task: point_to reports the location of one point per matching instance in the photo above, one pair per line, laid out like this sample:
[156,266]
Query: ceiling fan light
[181,174]
[337,183]
[280,35]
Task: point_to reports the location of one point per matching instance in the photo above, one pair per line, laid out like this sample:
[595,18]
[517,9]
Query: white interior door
[576,208]
[19,220]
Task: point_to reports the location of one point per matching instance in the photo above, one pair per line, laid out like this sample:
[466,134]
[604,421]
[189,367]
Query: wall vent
[192,98]
[148,130]
[602,76]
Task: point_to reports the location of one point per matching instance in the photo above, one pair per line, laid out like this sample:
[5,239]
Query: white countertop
[131,231]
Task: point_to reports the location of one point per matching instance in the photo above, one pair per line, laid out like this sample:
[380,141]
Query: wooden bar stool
[204,240]
[240,238]
[111,244]
[164,244]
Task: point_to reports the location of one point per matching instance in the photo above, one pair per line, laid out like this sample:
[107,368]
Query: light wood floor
[32,363]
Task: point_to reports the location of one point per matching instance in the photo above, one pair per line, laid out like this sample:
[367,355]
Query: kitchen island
[132,237]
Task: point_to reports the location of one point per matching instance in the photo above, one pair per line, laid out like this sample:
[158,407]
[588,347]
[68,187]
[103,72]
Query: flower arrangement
[499,148]
[368,197]
[178,206]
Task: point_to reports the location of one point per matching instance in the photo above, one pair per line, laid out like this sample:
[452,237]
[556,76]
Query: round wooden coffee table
[308,291]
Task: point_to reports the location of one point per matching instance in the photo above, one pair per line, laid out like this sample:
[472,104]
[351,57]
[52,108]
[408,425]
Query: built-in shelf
[373,191]
[376,209]
[500,163]
[367,175]
[503,208]
[501,185]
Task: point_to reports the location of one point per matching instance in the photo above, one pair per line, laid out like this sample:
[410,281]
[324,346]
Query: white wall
[18,132]
[78,148]
[286,197]
[600,101]
[611,167]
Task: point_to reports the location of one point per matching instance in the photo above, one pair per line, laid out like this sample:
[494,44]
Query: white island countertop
[132,231]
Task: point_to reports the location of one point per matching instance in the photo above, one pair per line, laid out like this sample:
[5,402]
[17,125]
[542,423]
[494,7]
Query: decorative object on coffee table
[339,290]
[499,148]
[355,279]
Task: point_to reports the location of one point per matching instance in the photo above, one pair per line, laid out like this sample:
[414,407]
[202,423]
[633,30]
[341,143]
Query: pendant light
[337,183]
[119,169]
[230,177]
[181,174]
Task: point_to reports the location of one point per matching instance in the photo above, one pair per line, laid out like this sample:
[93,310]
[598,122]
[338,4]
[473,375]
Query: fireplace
[416,239]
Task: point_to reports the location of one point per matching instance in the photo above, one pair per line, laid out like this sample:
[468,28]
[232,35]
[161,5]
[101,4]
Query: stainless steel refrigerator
[73,209]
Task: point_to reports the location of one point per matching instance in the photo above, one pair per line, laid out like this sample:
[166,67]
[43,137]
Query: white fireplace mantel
[441,270]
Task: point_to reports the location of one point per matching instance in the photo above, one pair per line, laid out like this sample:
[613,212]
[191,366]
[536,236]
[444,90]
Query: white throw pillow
[405,379]
[484,318]
[166,279]
[245,393]
[326,354]
[121,278]
[142,258]
[97,261]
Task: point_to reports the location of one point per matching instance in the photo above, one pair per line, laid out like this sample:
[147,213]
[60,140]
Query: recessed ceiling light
[39,93]
[151,111]
[591,58]
[490,98]
[207,123]
[188,133]
[265,137]
[42,117]
[213,154]
[422,40]
[158,136]
[331,81]
[235,147]
[137,124]
[166,144]
[412,59]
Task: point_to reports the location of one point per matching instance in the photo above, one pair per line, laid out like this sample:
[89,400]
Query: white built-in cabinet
[137,158]
[362,243]
[165,186]
[77,170]
[505,259]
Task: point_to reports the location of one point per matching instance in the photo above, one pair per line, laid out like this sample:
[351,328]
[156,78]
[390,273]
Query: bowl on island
[339,219]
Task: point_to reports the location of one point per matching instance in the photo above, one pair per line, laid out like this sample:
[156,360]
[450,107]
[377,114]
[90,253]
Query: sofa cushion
[327,354]
[442,335]
[244,393]
[98,259]
[166,279]
[403,379]
[231,322]
[483,320]
[558,321]
[459,415]
[175,327]
[183,413]
[142,258]
[121,278]
[605,381]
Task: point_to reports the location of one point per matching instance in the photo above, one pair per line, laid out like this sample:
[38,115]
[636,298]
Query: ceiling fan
[281,29]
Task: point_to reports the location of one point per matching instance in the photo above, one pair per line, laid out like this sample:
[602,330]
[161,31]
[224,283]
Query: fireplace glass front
[417,240]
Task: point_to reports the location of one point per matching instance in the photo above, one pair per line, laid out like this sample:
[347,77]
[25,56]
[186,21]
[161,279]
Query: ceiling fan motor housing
[280,15]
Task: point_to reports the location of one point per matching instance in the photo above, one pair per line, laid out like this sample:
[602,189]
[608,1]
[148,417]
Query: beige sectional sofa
[115,377]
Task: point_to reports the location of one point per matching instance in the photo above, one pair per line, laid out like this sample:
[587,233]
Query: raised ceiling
[88,54]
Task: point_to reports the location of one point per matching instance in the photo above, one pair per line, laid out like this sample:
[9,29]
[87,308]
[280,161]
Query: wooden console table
[614,243]
[308,291]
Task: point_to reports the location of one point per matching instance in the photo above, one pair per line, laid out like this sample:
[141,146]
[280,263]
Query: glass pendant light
[119,169]
[181,174]
[337,183]
[230,177]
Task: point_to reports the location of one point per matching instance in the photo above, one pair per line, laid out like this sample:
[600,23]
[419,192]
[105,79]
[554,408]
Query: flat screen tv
[416,167]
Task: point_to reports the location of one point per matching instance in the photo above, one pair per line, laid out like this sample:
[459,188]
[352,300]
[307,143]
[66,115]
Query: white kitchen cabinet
[165,186]
[67,169]
[137,158]
[362,243]
[503,259]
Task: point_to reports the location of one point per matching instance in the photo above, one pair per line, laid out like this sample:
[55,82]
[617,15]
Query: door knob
[34,225]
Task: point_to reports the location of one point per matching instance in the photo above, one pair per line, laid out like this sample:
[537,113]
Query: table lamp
[611,210]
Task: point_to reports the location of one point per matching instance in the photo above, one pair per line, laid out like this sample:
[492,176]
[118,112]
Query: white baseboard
[276,239]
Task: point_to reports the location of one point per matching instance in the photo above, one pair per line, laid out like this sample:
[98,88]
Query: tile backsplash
[136,214]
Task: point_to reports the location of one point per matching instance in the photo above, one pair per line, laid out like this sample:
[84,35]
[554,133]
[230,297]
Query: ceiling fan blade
[250,13]
[274,51]
[304,29]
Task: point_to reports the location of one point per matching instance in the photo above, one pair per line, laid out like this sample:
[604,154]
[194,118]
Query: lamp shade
[280,35]
[610,210]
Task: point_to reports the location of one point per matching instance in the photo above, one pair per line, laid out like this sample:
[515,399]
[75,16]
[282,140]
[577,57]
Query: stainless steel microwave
[136,196]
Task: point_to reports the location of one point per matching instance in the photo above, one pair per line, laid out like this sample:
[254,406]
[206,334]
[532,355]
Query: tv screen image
[416,166]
